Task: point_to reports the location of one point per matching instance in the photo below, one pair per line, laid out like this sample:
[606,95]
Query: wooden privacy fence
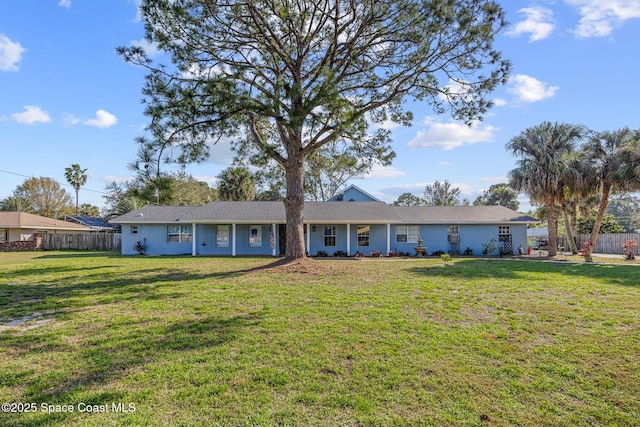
[82,241]
[606,244]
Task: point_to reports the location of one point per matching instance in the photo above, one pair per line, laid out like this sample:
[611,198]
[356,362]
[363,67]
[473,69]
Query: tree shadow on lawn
[82,254]
[136,350]
[623,275]
[72,292]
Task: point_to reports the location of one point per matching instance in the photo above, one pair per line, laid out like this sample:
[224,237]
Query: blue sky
[67,97]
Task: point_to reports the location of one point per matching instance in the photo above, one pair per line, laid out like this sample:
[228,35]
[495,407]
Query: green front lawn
[225,341]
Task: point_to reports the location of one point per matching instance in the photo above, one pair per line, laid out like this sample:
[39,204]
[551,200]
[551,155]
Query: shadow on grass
[501,268]
[76,254]
[61,289]
[85,353]
[135,350]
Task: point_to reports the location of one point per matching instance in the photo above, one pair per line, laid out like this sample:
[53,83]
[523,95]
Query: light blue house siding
[155,238]
[373,237]
[435,237]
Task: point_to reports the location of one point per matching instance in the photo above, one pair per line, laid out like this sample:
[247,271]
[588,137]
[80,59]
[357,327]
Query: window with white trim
[329,235]
[222,236]
[134,229]
[3,235]
[179,233]
[407,233]
[255,236]
[364,235]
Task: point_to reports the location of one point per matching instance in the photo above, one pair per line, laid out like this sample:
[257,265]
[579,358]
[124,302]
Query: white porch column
[275,242]
[308,238]
[233,239]
[388,238]
[348,239]
[193,239]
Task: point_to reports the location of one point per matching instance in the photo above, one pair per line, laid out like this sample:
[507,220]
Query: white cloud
[499,102]
[395,190]
[445,164]
[599,18]
[212,181]
[10,54]
[380,171]
[65,3]
[70,120]
[32,114]
[151,49]
[457,89]
[387,125]
[530,89]
[103,120]
[538,23]
[221,152]
[452,134]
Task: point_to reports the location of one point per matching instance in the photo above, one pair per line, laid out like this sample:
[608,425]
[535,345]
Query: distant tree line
[444,194]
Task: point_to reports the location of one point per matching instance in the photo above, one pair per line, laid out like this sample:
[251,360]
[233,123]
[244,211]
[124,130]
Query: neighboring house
[22,226]
[95,224]
[363,225]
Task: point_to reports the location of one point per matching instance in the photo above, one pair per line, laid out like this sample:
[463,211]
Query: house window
[255,236]
[179,233]
[364,235]
[134,229]
[407,233]
[222,236]
[3,235]
[329,235]
[453,234]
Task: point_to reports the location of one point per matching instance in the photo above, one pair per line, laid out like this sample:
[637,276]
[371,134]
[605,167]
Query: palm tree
[544,166]
[615,156]
[236,184]
[578,185]
[126,205]
[76,177]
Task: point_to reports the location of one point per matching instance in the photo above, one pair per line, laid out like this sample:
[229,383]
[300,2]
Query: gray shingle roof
[459,214]
[324,212]
[154,214]
[30,221]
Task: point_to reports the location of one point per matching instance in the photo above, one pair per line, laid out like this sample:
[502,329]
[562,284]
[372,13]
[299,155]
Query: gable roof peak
[339,197]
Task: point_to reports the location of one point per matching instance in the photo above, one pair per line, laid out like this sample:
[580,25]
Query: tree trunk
[569,230]
[574,227]
[552,221]
[294,209]
[606,189]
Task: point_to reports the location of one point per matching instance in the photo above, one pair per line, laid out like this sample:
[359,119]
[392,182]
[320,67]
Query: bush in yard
[489,247]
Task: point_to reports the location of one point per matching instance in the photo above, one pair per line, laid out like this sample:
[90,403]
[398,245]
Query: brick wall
[24,245]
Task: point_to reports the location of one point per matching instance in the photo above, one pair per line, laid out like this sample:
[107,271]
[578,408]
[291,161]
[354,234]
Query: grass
[226,341]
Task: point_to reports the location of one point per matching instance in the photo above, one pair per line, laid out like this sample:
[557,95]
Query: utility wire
[66,185]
